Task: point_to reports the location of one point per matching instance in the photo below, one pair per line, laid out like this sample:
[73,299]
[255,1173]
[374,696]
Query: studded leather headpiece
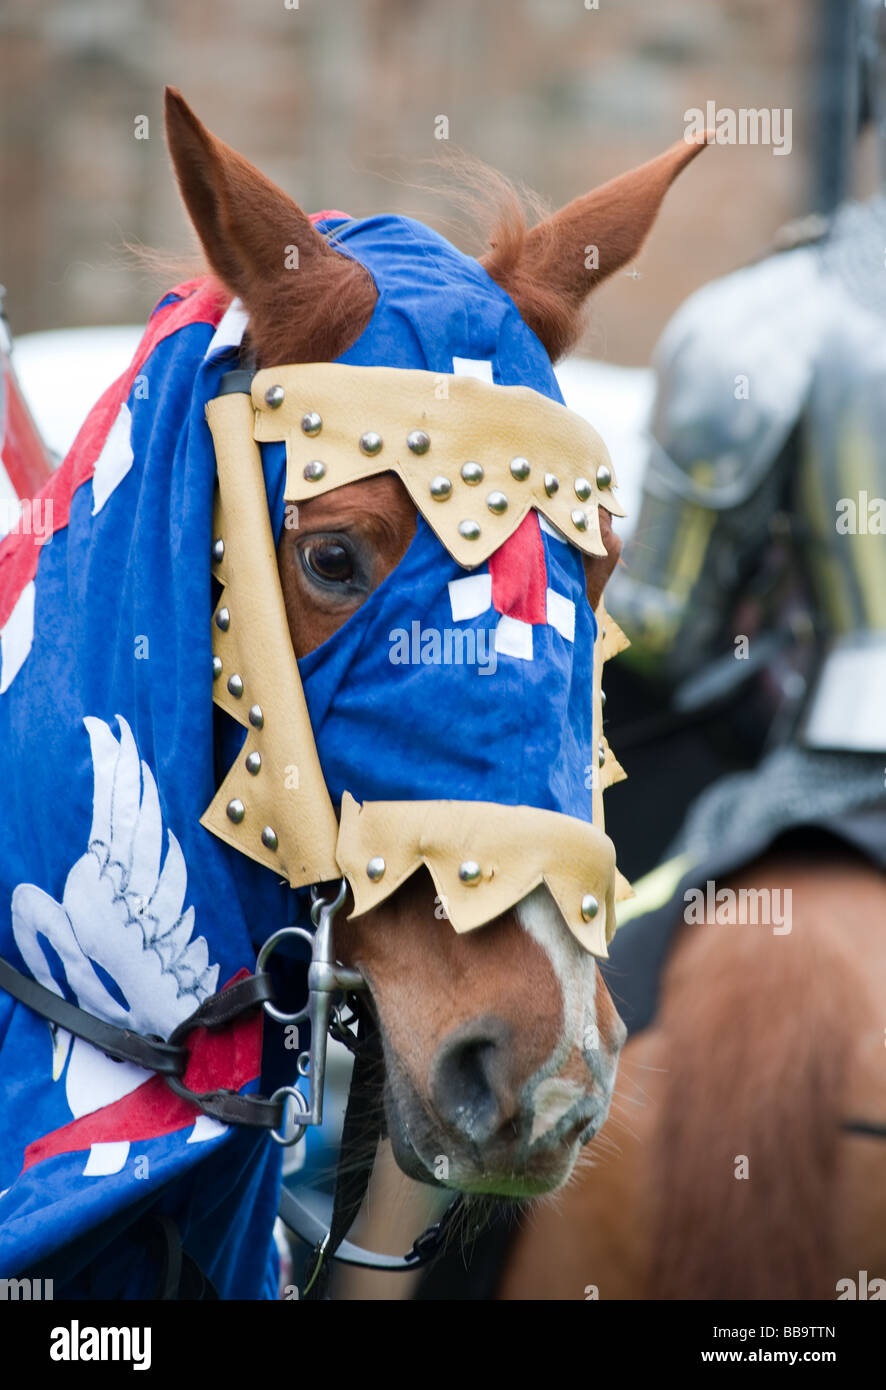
[488,467]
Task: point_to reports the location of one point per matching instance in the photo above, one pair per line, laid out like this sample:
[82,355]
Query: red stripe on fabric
[519,574]
[24,455]
[327,215]
[203,301]
[228,1057]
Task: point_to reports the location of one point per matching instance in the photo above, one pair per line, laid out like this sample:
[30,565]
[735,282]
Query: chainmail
[791,787]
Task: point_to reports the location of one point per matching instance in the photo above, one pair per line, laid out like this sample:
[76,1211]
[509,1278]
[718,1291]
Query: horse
[498,1045]
[746,1159]
[744,1156]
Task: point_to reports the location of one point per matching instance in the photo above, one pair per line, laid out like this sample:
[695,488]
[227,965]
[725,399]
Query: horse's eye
[328,560]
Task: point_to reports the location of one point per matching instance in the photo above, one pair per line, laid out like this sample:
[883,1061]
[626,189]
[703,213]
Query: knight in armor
[757,570]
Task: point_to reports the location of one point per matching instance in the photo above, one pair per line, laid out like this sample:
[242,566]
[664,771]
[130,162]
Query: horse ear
[263,247]
[550,270]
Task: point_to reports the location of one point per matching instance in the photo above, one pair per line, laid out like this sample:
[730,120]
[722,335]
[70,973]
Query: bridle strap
[168,1059]
[307,1218]
[124,1046]
[327,1233]
[359,1141]
[218,1010]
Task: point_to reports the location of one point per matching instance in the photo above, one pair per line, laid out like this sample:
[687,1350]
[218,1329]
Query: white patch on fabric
[550,529]
[205,1127]
[114,461]
[94,1080]
[229,334]
[470,597]
[560,612]
[105,1159]
[513,637]
[478,367]
[17,637]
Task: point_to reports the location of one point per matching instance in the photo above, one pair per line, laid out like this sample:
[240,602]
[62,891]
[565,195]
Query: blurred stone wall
[338,101]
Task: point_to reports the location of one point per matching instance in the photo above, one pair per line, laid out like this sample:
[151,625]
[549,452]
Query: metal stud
[440,488]
[256,718]
[579,519]
[253,763]
[375,869]
[520,469]
[497,503]
[275,396]
[469,530]
[601,753]
[371,443]
[602,696]
[552,484]
[472,473]
[223,619]
[218,550]
[582,489]
[418,441]
[235,685]
[236,810]
[589,907]
[269,838]
[469,872]
[216,667]
[314,471]
[311,423]
[604,476]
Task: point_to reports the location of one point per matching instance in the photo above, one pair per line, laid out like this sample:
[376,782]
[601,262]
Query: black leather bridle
[320,1222]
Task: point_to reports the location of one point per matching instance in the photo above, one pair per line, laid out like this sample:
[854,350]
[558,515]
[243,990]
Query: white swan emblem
[120,932]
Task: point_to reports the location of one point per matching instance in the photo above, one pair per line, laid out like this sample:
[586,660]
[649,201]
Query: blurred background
[339,102]
[343,103]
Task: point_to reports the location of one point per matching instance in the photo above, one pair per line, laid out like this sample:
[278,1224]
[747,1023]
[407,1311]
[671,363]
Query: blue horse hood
[111,891]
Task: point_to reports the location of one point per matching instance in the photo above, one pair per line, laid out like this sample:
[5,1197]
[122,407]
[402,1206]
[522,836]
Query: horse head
[500,1044]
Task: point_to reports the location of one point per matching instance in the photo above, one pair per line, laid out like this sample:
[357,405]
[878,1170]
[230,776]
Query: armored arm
[734,367]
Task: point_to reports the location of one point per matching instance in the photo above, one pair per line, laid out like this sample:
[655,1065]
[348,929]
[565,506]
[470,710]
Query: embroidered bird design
[119,943]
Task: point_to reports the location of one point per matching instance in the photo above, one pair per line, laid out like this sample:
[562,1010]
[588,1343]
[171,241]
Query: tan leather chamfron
[610,641]
[515,848]
[288,822]
[288,793]
[501,429]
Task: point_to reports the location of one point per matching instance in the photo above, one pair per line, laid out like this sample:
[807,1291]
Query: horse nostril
[469,1083]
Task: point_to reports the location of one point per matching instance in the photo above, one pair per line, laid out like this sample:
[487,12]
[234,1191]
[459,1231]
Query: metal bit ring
[326,978]
[261,964]
[285,1093]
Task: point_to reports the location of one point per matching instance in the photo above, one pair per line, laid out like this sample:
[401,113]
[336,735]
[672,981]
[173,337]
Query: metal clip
[325,978]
